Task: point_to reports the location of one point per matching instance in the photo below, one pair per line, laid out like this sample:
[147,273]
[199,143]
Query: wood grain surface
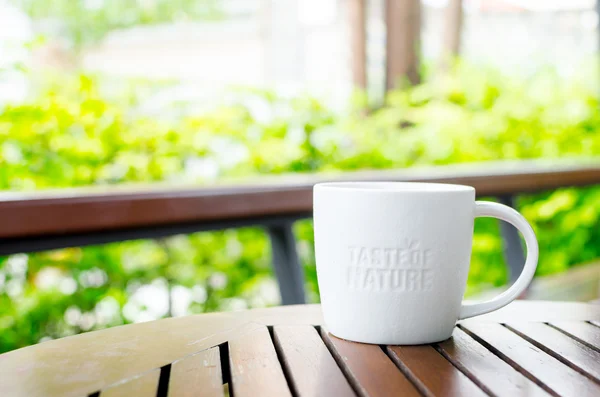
[487,369]
[360,362]
[311,369]
[255,368]
[145,385]
[488,357]
[432,373]
[198,375]
[549,372]
[584,332]
[564,348]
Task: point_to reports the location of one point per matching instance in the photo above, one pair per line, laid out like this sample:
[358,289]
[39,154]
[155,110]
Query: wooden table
[526,348]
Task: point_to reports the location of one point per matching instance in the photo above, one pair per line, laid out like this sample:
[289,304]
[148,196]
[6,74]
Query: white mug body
[392,259]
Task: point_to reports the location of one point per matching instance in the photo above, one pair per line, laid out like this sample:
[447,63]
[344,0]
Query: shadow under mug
[393,258]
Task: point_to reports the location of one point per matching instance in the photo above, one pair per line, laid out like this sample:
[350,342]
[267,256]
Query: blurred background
[99,92]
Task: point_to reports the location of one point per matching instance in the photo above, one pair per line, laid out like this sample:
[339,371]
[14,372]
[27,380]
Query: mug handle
[505,213]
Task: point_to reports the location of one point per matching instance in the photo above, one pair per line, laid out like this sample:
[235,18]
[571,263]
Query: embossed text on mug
[405,268]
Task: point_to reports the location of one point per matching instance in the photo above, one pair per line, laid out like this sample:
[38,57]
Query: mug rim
[394,187]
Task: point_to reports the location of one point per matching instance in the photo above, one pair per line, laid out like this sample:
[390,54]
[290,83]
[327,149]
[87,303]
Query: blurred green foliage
[72,135]
[86,21]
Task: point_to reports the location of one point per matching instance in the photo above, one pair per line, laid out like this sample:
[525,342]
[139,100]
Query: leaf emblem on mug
[405,268]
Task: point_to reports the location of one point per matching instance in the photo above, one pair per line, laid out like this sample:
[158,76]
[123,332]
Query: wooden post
[403,22]
[452,32]
[358,40]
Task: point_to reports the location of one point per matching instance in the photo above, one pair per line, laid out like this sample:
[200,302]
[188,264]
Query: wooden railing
[44,220]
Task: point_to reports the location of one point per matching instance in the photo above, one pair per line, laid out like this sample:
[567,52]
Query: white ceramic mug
[393,258]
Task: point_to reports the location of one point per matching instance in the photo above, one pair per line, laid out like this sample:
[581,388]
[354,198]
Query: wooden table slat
[311,369]
[570,351]
[487,368]
[584,332]
[255,368]
[536,363]
[433,374]
[197,376]
[145,385]
[369,369]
